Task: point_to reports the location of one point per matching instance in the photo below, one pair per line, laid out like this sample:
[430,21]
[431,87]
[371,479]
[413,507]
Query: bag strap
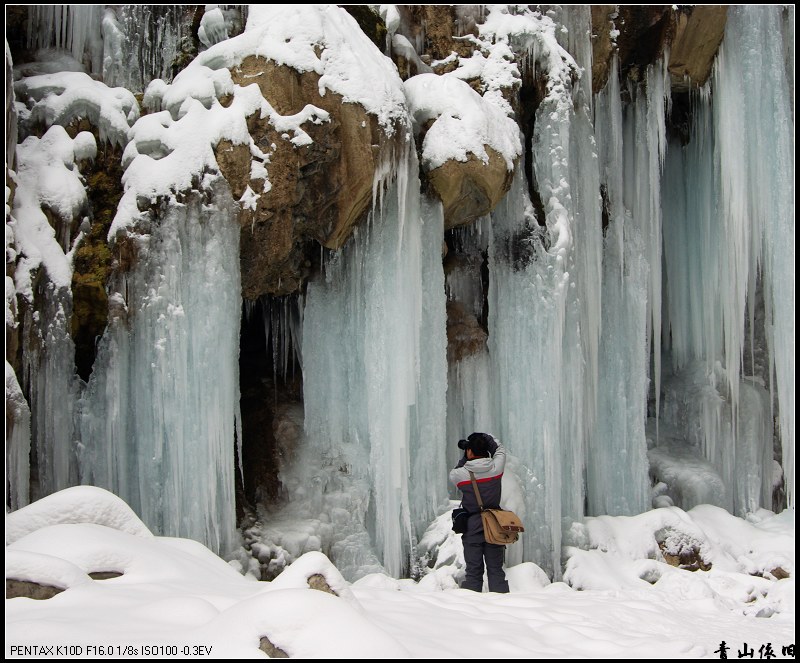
[475,487]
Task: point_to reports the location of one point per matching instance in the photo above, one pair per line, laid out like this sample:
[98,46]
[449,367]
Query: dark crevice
[255,376]
[530,97]
[604,208]
[93,257]
[679,121]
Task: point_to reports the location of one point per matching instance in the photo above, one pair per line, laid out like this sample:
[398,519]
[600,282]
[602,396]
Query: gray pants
[474,555]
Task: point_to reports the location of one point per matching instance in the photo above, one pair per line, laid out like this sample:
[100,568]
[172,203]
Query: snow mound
[735,562]
[304,624]
[94,547]
[176,593]
[313,563]
[526,577]
[464,123]
[80,504]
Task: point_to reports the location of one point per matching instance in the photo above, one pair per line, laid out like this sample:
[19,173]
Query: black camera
[463,445]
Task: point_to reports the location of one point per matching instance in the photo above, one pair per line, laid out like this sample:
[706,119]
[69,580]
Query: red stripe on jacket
[469,481]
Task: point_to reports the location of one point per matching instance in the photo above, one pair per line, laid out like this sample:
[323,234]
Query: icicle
[526,327]
[75,28]
[282,317]
[18,443]
[724,193]
[693,241]
[142,42]
[49,379]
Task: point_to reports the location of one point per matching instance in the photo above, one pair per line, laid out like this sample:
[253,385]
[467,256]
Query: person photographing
[485,458]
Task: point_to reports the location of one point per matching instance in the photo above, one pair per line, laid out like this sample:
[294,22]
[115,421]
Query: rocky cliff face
[318,192]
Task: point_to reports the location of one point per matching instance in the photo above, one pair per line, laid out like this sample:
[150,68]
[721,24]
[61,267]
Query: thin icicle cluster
[70,27]
[757,181]
[47,178]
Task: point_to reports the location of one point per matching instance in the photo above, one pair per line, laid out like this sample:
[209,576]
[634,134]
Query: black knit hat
[479,444]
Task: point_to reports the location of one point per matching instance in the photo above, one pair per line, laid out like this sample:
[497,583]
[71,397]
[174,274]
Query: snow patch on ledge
[464,122]
[323,39]
[68,95]
[46,177]
[43,569]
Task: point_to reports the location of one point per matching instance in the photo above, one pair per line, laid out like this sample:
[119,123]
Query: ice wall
[374,366]
[469,386]
[144,42]
[728,223]
[698,405]
[128,45]
[526,327]
[158,417]
[754,125]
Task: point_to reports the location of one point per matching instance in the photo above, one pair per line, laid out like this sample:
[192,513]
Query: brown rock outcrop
[602,45]
[32,590]
[681,550]
[271,650]
[319,191]
[469,189]
[693,34]
[437,28]
[318,582]
[778,573]
[698,34]
[644,32]
[465,336]
[94,258]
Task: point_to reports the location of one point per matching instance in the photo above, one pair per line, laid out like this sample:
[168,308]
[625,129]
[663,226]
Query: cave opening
[270,379]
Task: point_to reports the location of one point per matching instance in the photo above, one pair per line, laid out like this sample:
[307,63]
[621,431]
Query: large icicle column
[47,178]
[544,288]
[158,415]
[756,158]
[374,396]
[631,146]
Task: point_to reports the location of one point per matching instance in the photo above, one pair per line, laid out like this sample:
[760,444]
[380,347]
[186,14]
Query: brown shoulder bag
[499,526]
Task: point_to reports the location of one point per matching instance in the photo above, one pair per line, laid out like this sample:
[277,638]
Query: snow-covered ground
[177,599]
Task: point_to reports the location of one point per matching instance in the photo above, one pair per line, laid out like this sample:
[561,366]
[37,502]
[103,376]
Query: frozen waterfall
[374,371]
[157,419]
[631,298]
[728,234]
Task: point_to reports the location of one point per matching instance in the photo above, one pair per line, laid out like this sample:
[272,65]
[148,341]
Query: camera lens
[463,444]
